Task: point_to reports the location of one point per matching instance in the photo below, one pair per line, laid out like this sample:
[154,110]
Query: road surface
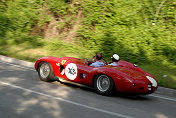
[23,95]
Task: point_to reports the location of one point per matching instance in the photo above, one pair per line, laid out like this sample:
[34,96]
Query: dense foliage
[138,30]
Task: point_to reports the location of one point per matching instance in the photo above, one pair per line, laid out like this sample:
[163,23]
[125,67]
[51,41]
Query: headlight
[152,80]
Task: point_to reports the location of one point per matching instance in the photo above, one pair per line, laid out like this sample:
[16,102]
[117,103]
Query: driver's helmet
[115,57]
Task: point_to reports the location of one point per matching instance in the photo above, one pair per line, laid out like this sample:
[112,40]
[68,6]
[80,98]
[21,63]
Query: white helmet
[115,56]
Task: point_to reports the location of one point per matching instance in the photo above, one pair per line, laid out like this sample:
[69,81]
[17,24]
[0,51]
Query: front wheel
[45,72]
[104,85]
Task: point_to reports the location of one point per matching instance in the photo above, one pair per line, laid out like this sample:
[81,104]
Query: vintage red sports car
[125,78]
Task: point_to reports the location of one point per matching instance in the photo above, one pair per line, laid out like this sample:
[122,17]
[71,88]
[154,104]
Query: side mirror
[135,65]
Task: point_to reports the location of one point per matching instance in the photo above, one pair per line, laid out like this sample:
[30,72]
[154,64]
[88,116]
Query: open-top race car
[125,78]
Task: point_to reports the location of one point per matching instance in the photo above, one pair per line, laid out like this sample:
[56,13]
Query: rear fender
[120,79]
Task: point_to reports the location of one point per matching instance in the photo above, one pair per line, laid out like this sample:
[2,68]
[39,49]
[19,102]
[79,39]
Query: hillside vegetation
[139,31]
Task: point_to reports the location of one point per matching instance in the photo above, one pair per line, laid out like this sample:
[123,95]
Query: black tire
[45,72]
[104,85]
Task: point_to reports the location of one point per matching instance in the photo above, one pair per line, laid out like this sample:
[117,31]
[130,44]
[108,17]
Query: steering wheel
[88,61]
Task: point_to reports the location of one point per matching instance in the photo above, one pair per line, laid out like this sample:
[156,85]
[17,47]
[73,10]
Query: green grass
[32,51]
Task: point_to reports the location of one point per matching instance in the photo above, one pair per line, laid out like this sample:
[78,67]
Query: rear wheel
[104,85]
[45,72]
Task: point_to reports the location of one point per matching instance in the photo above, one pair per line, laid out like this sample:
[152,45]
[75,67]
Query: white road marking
[64,100]
[161,97]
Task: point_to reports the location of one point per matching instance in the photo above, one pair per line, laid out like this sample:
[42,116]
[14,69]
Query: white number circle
[71,71]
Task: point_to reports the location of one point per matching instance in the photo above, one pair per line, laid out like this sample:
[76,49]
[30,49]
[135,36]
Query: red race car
[125,78]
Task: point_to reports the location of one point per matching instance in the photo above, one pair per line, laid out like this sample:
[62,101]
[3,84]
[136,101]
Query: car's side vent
[81,76]
[62,69]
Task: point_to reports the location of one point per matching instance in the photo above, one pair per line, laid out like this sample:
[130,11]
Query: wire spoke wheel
[45,72]
[103,85]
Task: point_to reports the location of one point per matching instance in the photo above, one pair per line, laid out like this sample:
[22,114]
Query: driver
[97,62]
[115,59]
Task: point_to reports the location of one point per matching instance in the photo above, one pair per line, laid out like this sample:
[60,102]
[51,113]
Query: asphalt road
[23,95]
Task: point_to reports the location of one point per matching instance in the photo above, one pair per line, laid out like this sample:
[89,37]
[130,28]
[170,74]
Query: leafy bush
[139,31]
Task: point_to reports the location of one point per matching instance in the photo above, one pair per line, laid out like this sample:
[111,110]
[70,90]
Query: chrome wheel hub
[44,70]
[103,83]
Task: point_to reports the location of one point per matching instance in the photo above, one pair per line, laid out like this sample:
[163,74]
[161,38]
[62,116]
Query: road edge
[160,91]
[17,61]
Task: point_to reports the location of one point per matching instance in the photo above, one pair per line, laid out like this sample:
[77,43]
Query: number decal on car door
[71,71]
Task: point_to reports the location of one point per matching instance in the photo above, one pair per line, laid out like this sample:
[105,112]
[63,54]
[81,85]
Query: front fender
[52,60]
